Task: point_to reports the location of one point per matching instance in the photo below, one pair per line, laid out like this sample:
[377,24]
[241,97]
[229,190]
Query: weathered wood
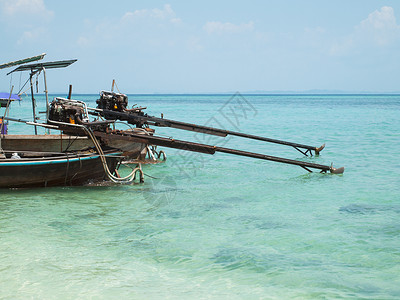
[70,92]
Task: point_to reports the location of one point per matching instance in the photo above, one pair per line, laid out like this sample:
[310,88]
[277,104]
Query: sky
[207,46]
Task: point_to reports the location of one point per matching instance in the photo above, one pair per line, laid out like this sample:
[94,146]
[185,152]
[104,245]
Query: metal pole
[47,97]
[2,123]
[33,100]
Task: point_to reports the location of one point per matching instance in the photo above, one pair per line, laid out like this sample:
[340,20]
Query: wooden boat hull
[62,170]
[45,143]
[64,142]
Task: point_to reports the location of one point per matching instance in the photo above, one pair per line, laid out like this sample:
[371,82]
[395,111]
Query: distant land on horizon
[263,92]
[256,92]
[320,92]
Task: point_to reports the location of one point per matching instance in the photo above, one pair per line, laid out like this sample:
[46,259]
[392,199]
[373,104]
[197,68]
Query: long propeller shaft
[208,149]
[136,118]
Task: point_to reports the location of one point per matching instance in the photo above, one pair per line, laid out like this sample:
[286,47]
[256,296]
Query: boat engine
[67,111]
[112,101]
[114,106]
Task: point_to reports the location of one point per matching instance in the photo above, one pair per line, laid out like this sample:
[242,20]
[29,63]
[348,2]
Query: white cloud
[34,17]
[176,21]
[148,27]
[167,13]
[214,27]
[25,7]
[380,27]
[383,19]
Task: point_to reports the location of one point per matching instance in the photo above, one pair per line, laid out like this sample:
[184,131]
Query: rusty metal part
[206,149]
[140,119]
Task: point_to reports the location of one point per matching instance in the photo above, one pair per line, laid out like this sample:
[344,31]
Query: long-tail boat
[52,159]
[72,118]
[51,142]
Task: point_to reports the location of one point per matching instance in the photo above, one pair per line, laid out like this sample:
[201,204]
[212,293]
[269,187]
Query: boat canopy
[45,65]
[4,97]
[22,61]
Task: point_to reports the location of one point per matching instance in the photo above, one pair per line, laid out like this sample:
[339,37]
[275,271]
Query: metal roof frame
[46,65]
[22,61]
[39,67]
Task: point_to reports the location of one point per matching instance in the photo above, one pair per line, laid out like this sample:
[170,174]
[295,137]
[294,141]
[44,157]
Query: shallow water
[223,226]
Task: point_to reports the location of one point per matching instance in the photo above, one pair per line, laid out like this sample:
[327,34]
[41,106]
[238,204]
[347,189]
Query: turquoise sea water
[223,226]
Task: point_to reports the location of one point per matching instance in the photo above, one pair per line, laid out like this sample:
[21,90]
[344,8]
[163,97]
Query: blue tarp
[5,96]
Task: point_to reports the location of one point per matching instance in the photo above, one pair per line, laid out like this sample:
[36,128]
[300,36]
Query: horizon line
[243,93]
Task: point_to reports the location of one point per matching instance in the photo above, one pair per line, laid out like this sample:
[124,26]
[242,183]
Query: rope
[127,179]
[36,81]
[20,79]
[20,93]
[66,174]
[150,176]
[124,180]
[11,79]
[70,142]
[128,166]
[115,83]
